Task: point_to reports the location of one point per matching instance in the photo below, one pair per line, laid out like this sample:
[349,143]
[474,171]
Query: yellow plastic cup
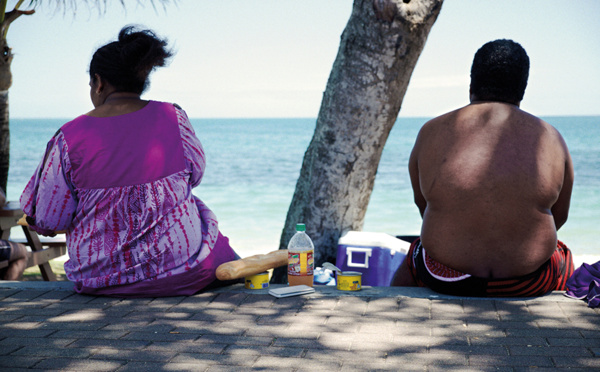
[349,281]
[258,281]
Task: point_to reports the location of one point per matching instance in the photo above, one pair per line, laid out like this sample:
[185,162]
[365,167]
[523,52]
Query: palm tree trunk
[378,51]
[6,57]
[5,82]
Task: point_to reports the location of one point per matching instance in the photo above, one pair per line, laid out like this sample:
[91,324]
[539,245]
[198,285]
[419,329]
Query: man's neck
[474,100]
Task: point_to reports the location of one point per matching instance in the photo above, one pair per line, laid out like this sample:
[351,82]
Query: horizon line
[289,117]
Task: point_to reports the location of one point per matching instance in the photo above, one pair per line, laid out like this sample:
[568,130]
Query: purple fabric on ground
[584,284]
[593,296]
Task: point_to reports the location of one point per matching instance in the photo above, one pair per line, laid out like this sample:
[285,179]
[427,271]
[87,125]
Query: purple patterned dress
[122,189]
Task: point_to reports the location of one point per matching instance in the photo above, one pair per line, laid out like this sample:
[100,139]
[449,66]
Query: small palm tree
[6,19]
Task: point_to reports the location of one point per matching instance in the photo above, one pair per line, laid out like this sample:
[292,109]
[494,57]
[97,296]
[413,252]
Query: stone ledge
[411,292]
[321,291]
[37,285]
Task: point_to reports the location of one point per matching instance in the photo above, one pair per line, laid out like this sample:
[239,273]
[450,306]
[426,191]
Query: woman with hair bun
[119,181]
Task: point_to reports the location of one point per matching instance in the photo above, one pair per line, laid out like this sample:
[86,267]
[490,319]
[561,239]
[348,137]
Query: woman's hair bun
[127,62]
[142,51]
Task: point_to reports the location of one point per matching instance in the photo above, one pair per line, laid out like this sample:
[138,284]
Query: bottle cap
[300,227]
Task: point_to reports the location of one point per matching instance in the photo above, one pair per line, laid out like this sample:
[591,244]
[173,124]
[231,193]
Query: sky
[272,58]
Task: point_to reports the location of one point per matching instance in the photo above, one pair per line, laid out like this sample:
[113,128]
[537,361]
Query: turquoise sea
[253,165]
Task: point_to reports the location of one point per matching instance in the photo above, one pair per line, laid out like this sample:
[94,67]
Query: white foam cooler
[376,255]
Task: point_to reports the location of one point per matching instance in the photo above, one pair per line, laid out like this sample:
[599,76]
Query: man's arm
[560,209]
[413,170]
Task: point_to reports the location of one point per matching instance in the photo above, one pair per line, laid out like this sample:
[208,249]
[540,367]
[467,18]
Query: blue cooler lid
[374,239]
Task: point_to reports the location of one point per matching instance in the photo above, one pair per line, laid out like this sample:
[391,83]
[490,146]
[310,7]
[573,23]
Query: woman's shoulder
[74,122]
[169,107]
[151,109]
[166,104]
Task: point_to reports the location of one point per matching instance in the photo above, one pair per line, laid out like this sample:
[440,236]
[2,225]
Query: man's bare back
[493,185]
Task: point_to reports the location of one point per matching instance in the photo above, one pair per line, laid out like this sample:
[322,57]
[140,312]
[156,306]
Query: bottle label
[300,263]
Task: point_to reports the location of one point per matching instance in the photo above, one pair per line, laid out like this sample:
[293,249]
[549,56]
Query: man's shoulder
[448,116]
[433,125]
[548,129]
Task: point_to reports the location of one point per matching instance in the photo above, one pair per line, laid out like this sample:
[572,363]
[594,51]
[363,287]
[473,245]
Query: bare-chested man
[493,185]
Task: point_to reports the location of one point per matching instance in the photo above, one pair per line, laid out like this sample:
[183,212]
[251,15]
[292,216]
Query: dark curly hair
[500,71]
[127,62]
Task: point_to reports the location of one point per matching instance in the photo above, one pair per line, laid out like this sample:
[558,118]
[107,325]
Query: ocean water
[253,165]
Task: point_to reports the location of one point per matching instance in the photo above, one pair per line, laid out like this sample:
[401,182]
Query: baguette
[252,265]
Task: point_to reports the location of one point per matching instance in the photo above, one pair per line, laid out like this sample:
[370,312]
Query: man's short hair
[500,71]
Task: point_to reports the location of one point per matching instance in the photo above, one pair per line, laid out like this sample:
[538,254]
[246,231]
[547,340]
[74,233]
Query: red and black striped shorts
[551,276]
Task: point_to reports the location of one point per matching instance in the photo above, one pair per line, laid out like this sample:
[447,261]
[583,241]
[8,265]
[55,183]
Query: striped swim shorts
[552,275]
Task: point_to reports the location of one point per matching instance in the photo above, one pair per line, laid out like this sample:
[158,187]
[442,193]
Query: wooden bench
[42,249]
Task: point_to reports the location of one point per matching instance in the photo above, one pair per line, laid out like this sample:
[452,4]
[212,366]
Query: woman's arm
[48,199]
[192,148]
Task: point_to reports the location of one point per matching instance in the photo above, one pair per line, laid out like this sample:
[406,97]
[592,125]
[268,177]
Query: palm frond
[66,6]
[7,18]
[2,9]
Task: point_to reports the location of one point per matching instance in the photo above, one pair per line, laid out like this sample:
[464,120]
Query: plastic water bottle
[300,258]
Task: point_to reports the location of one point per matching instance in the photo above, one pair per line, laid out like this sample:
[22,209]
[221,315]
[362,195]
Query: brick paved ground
[46,326]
